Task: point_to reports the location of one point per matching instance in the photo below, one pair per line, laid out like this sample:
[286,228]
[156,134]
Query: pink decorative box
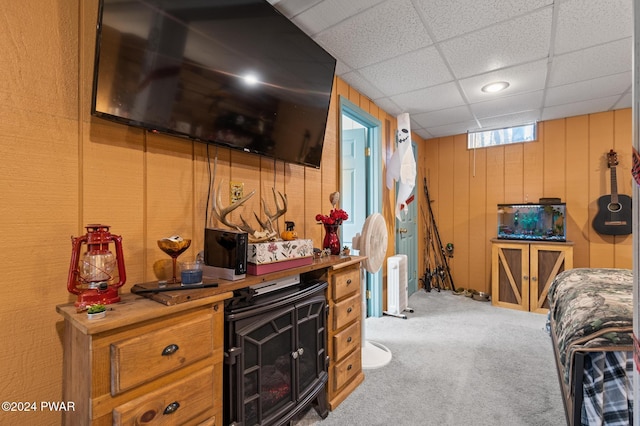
[273,256]
[266,268]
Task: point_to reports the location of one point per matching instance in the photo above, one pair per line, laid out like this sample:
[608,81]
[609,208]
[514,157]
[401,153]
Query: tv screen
[231,72]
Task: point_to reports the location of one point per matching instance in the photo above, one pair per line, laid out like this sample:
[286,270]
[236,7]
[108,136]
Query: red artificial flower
[335,217]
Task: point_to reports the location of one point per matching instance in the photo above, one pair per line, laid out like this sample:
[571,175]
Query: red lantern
[91,277]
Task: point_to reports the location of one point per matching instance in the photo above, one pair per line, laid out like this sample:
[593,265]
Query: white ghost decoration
[402,166]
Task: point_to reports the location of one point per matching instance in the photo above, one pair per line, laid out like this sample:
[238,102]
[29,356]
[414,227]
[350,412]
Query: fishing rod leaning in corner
[442,271]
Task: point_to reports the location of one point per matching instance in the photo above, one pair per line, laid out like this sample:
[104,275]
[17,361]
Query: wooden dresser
[161,363]
[145,362]
[345,332]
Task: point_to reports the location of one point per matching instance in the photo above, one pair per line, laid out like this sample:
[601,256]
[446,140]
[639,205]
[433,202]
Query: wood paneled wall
[63,169]
[568,161]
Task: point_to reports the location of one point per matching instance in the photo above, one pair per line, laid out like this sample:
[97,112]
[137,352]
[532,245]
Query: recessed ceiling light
[495,86]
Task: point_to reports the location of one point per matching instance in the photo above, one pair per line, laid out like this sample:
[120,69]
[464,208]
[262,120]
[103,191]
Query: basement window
[505,136]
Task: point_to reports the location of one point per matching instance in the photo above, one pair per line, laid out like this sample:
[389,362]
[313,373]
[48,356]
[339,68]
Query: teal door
[406,238]
[353,198]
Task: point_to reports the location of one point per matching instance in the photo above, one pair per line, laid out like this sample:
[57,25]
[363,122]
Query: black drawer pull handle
[349,310]
[349,367]
[349,339]
[170,350]
[171,408]
[349,281]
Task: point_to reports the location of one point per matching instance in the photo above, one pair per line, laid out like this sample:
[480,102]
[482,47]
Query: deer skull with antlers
[269,227]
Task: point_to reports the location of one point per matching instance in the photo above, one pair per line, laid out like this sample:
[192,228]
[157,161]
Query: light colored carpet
[456,361]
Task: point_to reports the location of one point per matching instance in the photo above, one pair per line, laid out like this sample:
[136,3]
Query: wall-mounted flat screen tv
[230,72]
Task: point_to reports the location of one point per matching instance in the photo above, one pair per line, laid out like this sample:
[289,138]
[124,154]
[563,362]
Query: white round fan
[372,243]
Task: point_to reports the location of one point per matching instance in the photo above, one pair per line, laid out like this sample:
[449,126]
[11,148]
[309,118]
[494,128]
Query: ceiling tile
[513,42]
[389,106]
[588,89]
[361,84]
[509,120]
[424,134]
[521,78]
[327,13]
[625,101]
[342,68]
[430,99]
[508,105]
[291,8]
[448,18]
[443,117]
[379,33]
[584,23]
[579,108]
[573,49]
[598,61]
[413,70]
[453,129]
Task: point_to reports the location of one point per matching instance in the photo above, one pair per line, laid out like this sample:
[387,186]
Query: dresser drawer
[347,369]
[345,283]
[346,311]
[346,340]
[190,399]
[139,359]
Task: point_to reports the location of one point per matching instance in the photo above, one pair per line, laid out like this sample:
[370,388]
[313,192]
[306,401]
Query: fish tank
[535,222]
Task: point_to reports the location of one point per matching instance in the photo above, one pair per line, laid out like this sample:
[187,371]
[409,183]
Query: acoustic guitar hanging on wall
[614,211]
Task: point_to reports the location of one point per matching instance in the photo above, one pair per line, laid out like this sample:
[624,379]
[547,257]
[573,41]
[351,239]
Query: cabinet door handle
[534,278]
[171,408]
[526,277]
[170,349]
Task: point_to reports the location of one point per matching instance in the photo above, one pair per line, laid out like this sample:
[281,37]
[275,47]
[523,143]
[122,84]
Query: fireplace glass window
[276,354]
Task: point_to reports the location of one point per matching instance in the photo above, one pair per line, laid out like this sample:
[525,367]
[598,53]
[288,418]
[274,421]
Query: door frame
[374,189]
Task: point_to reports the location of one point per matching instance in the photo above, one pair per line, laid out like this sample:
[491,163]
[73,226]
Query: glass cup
[191,273]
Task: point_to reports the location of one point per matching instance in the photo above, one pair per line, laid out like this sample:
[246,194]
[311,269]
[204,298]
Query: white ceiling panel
[625,100]
[362,85]
[443,117]
[588,89]
[413,70]
[389,106]
[586,23]
[330,12]
[448,18]
[291,8]
[598,61]
[579,108]
[431,57]
[453,129]
[508,105]
[377,34]
[508,120]
[438,97]
[523,39]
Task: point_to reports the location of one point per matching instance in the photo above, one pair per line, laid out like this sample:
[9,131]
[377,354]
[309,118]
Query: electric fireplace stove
[275,354]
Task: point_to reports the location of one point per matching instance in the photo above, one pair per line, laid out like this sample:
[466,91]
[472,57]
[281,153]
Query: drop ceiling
[430,58]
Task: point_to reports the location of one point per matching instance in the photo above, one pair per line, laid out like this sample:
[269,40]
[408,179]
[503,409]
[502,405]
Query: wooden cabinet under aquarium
[522,272]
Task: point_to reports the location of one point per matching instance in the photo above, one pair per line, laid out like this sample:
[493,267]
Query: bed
[591,326]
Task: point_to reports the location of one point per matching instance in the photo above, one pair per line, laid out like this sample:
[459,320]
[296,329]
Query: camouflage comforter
[591,310]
